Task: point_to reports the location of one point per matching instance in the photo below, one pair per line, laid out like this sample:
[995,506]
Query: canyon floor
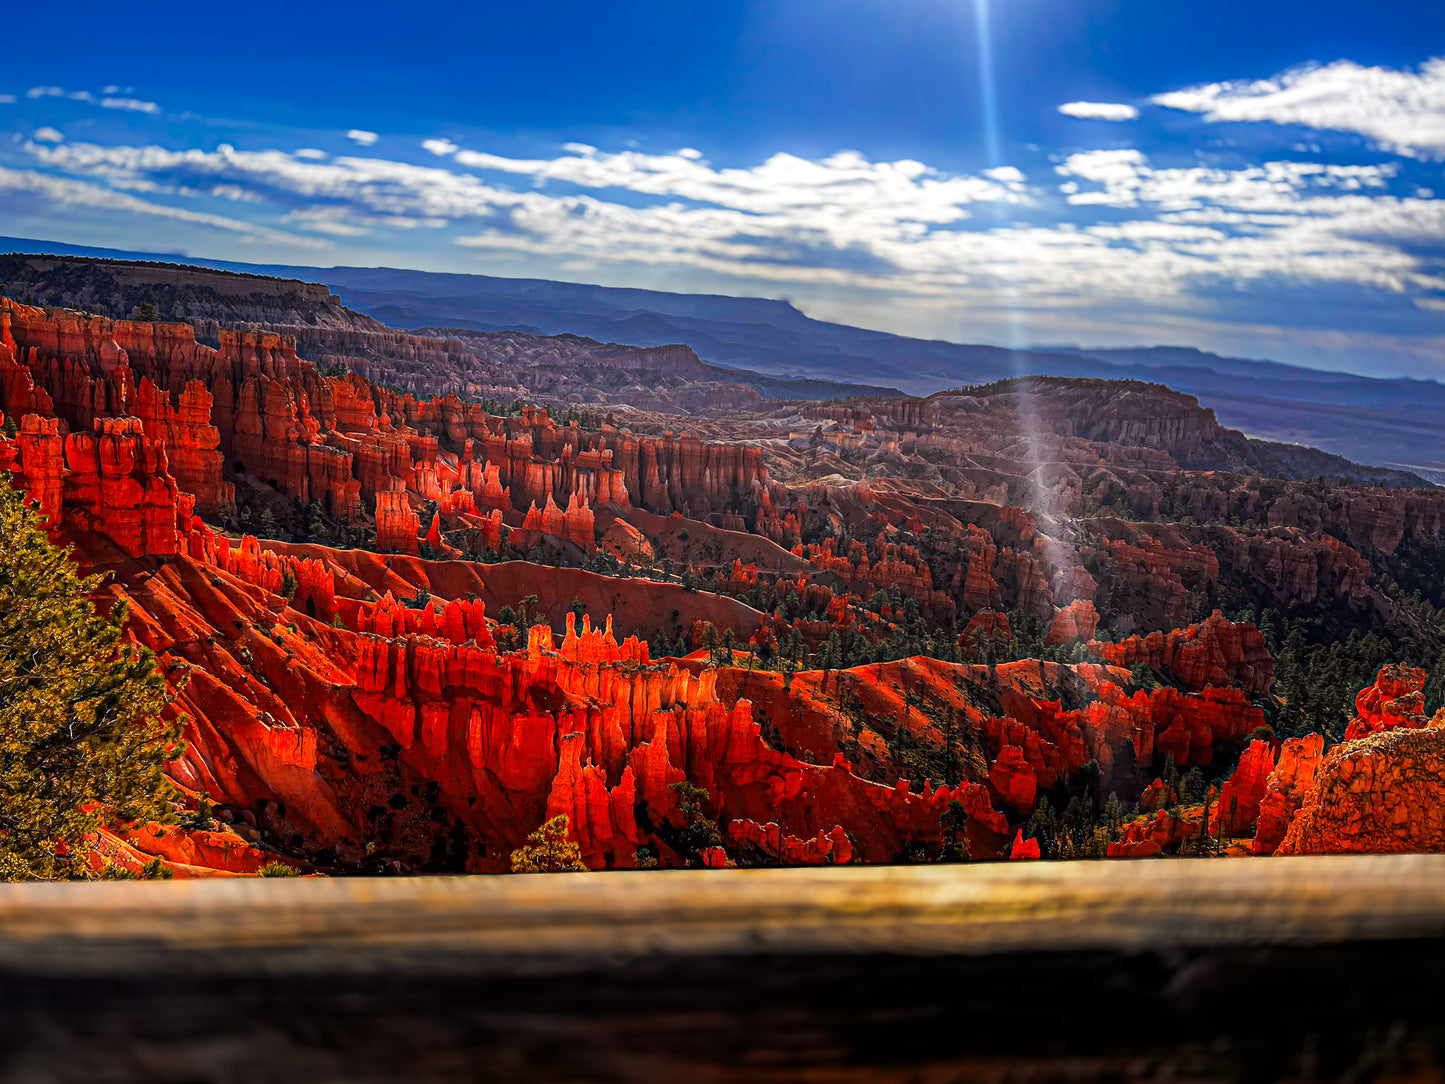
[1298,969]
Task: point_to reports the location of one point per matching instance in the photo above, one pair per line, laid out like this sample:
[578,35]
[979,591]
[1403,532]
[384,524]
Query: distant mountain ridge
[562,369]
[1389,422]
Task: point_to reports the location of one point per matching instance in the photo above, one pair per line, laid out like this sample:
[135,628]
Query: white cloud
[345,222]
[1402,110]
[1273,187]
[1006,174]
[48,135]
[233,192]
[843,193]
[1099,110]
[71,193]
[1145,235]
[1119,234]
[7,99]
[132,105]
[60,92]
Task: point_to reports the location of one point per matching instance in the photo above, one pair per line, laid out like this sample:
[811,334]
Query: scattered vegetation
[82,740]
[549,850]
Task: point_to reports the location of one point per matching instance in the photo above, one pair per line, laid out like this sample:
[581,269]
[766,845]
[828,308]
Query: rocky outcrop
[1075,622]
[1396,699]
[1013,780]
[113,482]
[1380,790]
[1237,808]
[117,484]
[1379,794]
[624,541]
[1372,520]
[397,524]
[1292,780]
[183,422]
[1023,850]
[986,631]
[575,523]
[832,848]
[342,697]
[1213,652]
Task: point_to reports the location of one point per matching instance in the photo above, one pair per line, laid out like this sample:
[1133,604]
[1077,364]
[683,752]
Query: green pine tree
[82,742]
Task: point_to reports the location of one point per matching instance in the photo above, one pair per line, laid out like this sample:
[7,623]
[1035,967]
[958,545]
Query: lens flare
[1035,445]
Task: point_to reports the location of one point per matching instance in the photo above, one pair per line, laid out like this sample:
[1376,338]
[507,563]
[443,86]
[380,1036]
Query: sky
[1262,179]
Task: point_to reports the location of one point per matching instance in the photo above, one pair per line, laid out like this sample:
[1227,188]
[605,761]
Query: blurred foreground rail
[1282,968]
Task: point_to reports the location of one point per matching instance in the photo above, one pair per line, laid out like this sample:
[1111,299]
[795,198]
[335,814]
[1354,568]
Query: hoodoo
[753,667]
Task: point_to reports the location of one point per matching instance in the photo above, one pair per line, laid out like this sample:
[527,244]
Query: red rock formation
[1295,567]
[1136,848]
[185,853]
[1292,780]
[1378,791]
[1148,836]
[40,455]
[831,847]
[251,400]
[324,685]
[1154,797]
[983,627]
[1055,743]
[589,727]
[1023,849]
[1213,652]
[397,525]
[623,540]
[1238,806]
[1076,621]
[575,524]
[1378,794]
[192,442]
[1013,779]
[1396,699]
[1160,575]
[114,483]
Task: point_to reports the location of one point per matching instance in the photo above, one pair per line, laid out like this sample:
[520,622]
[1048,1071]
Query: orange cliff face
[339,719]
[252,408]
[114,482]
[417,732]
[1396,699]
[397,524]
[575,523]
[1292,779]
[1213,652]
[1379,790]
[1376,794]
[336,706]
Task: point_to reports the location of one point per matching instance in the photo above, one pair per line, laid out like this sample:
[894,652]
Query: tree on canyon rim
[550,849]
[82,741]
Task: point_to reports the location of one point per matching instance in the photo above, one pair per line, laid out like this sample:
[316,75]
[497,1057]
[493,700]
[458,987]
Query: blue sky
[1257,178]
